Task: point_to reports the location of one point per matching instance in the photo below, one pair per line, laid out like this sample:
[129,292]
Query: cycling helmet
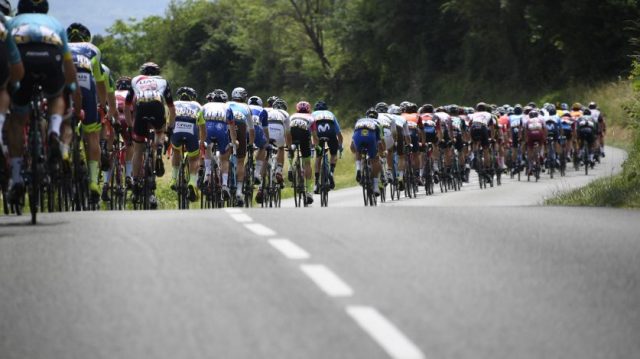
[454,110]
[123,83]
[239,94]
[564,107]
[404,105]
[428,108]
[33,7]
[517,109]
[77,32]
[551,109]
[271,100]
[576,106]
[217,96]
[320,106]
[395,110]
[5,7]
[303,107]
[371,113]
[186,94]
[280,104]
[481,106]
[150,69]
[412,108]
[382,107]
[532,104]
[533,114]
[255,100]
[469,110]
[586,112]
[593,105]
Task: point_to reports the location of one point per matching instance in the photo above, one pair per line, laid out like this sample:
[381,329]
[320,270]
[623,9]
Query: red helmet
[303,107]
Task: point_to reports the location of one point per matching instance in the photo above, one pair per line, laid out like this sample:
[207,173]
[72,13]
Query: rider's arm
[264,121]
[128,108]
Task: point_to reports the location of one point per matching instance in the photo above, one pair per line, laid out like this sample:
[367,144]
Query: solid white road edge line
[384,333]
[241,217]
[260,229]
[289,249]
[328,281]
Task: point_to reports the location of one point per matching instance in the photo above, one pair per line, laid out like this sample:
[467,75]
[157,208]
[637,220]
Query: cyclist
[502,135]
[107,133]
[458,129]
[597,115]
[554,125]
[535,132]
[587,129]
[279,129]
[221,130]
[389,132]
[416,130]
[302,129]
[148,95]
[481,131]
[43,48]
[431,130]
[326,125]
[123,85]
[9,73]
[241,113]
[367,135]
[443,121]
[188,130]
[92,82]
[568,128]
[261,128]
[516,124]
[403,136]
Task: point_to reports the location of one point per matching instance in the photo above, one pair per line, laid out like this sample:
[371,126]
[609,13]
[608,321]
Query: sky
[98,15]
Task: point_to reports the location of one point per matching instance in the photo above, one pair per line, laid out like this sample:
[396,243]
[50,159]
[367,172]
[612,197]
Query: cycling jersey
[217,124]
[366,134]
[553,125]
[587,128]
[260,121]
[326,125]
[86,57]
[278,125]
[239,112]
[388,125]
[301,125]
[189,117]
[444,122]
[535,131]
[148,94]
[481,119]
[402,123]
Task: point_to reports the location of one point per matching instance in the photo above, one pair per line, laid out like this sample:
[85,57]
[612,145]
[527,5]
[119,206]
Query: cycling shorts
[87,84]
[188,134]
[364,139]
[4,65]
[38,69]
[458,142]
[587,134]
[148,115]
[218,131]
[241,136]
[302,138]
[400,144]
[259,140]
[415,141]
[276,133]
[568,134]
[332,143]
[481,134]
[515,137]
[533,137]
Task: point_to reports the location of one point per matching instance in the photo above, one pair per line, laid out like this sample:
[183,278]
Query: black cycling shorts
[241,136]
[568,134]
[587,134]
[4,65]
[480,133]
[302,138]
[333,145]
[458,141]
[148,115]
[43,66]
[400,141]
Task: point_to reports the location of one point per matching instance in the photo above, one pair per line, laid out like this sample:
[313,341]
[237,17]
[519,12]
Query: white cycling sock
[207,167]
[258,171]
[128,168]
[16,168]
[358,165]
[401,174]
[239,189]
[376,181]
[54,124]
[225,178]
[106,175]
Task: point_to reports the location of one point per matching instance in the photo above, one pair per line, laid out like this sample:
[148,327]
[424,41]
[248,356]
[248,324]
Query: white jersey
[402,122]
[278,125]
[150,89]
[483,118]
[215,111]
[595,114]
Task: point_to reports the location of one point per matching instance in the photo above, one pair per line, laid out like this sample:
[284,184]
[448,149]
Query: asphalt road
[388,282]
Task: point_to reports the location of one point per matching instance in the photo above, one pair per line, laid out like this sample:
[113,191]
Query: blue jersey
[260,116]
[240,113]
[326,122]
[10,43]
[38,28]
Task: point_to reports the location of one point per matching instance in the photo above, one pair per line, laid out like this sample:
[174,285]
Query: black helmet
[271,100]
[403,105]
[533,113]
[481,106]
[454,110]
[552,109]
[5,7]
[593,105]
[428,108]
[255,100]
[371,113]
[586,112]
[412,108]
[517,109]
[186,94]
[382,107]
[217,96]
[280,104]
[77,32]
[33,7]
[150,69]
[320,106]
[123,83]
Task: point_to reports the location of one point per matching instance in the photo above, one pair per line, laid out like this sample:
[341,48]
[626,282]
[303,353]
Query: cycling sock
[106,175]
[64,149]
[309,186]
[54,124]
[93,171]
[16,168]
[174,172]
[225,179]
[401,174]
[239,189]
[358,165]
[128,168]
[207,166]
[193,179]
[333,167]
[279,169]
[422,172]
[258,171]
[376,181]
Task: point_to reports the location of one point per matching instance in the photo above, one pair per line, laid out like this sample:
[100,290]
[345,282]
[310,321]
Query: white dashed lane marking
[328,281]
[384,333]
[241,217]
[233,210]
[260,229]
[289,249]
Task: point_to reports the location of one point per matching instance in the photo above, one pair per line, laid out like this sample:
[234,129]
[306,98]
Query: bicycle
[230,199]
[247,185]
[325,172]
[144,197]
[562,140]
[271,189]
[298,179]
[409,176]
[182,183]
[551,156]
[366,179]
[116,186]
[393,185]
[211,188]
[4,181]
[483,176]
[533,165]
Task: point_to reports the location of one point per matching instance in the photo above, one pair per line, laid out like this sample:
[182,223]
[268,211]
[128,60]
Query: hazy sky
[98,15]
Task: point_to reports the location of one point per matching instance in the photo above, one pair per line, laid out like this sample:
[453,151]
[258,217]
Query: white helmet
[239,94]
